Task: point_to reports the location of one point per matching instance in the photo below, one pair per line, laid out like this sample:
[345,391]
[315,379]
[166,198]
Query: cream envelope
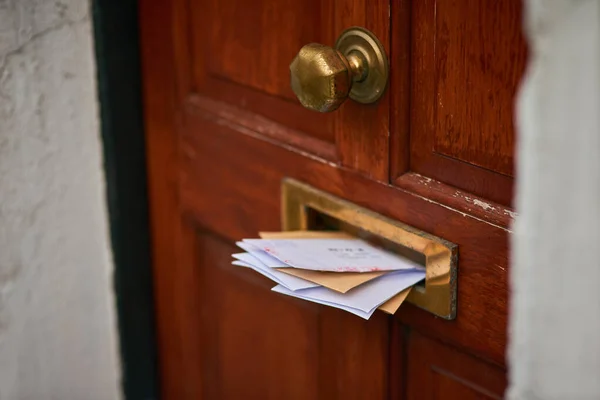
[392,305]
[338,281]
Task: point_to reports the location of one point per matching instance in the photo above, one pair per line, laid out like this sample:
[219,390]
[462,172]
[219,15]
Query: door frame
[117,53]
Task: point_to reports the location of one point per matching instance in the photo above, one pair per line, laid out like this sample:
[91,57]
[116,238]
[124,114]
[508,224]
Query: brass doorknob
[323,77]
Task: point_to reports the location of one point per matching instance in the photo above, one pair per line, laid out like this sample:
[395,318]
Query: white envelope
[362,314]
[339,255]
[262,256]
[289,281]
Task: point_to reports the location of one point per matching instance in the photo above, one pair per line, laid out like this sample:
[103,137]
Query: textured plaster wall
[555,321]
[57,319]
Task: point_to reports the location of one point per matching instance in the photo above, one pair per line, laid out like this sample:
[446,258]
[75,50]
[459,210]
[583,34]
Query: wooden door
[435,152]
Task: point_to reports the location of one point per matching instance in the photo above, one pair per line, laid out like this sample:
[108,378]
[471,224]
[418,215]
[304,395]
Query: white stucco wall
[555,322]
[57,318]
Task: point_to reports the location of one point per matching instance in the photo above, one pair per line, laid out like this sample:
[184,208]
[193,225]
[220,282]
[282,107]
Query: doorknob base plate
[372,87]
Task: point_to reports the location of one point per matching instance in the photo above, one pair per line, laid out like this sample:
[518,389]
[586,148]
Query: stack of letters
[332,269]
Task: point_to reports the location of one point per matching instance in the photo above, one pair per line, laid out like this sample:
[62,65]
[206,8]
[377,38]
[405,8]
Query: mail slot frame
[437,296]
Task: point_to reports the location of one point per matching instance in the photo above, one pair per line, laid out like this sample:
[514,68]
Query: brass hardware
[300,202]
[323,77]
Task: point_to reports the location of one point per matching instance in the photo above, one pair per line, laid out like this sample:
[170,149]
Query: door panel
[238,52]
[251,53]
[467,57]
[474,124]
[246,341]
[436,371]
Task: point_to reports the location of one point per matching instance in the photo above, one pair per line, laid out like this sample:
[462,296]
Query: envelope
[334,280]
[340,282]
[393,304]
[366,297]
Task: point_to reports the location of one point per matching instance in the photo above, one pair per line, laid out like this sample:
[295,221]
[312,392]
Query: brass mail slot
[307,208]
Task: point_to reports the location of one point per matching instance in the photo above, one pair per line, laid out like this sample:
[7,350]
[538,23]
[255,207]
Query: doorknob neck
[359,67]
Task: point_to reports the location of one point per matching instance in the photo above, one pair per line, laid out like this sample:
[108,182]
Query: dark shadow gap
[120,96]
